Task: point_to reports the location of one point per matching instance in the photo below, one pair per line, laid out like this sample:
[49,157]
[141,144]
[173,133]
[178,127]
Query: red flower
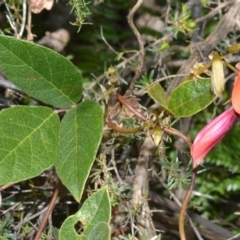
[212,134]
[236,92]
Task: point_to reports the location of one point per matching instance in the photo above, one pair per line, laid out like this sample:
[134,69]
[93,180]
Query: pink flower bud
[212,134]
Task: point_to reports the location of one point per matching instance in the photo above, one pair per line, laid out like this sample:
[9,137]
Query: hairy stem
[123,130]
[129,107]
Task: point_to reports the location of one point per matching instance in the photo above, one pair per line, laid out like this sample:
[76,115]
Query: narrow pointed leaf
[190,97]
[40,72]
[29,141]
[157,93]
[80,135]
[95,210]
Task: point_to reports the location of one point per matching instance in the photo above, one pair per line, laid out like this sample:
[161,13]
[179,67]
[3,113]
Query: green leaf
[29,141]
[190,97]
[94,212]
[101,230]
[40,72]
[80,135]
[157,93]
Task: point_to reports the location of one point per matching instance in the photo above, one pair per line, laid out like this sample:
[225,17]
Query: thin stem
[176,133]
[143,90]
[129,107]
[213,12]
[29,218]
[123,130]
[29,24]
[10,19]
[49,210]
[231,67]
[105,41]
[141,47]
[174,197]
[181,219]
[189,192]
[24,17]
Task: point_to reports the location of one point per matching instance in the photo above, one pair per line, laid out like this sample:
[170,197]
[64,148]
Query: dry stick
[5,186]
[10,19]
[29,218]
[49,210]
[213,12]
[141,47]
[24,17]
[140,189]
[196,9]
[234,237]
[29,24]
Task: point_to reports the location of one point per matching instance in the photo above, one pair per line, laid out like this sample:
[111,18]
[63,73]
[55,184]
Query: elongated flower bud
[236,92]
[217,78]
[212,134]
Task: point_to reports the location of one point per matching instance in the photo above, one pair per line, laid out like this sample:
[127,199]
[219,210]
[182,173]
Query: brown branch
[141,47]
[140,188]
[129,107]
[196,12]
[49,210]
[5,186]
[116,128]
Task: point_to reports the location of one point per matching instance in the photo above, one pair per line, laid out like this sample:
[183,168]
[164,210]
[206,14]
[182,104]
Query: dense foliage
[110,156]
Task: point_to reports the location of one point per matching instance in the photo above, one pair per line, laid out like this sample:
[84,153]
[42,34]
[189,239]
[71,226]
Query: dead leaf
[56,40]
[37,6]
